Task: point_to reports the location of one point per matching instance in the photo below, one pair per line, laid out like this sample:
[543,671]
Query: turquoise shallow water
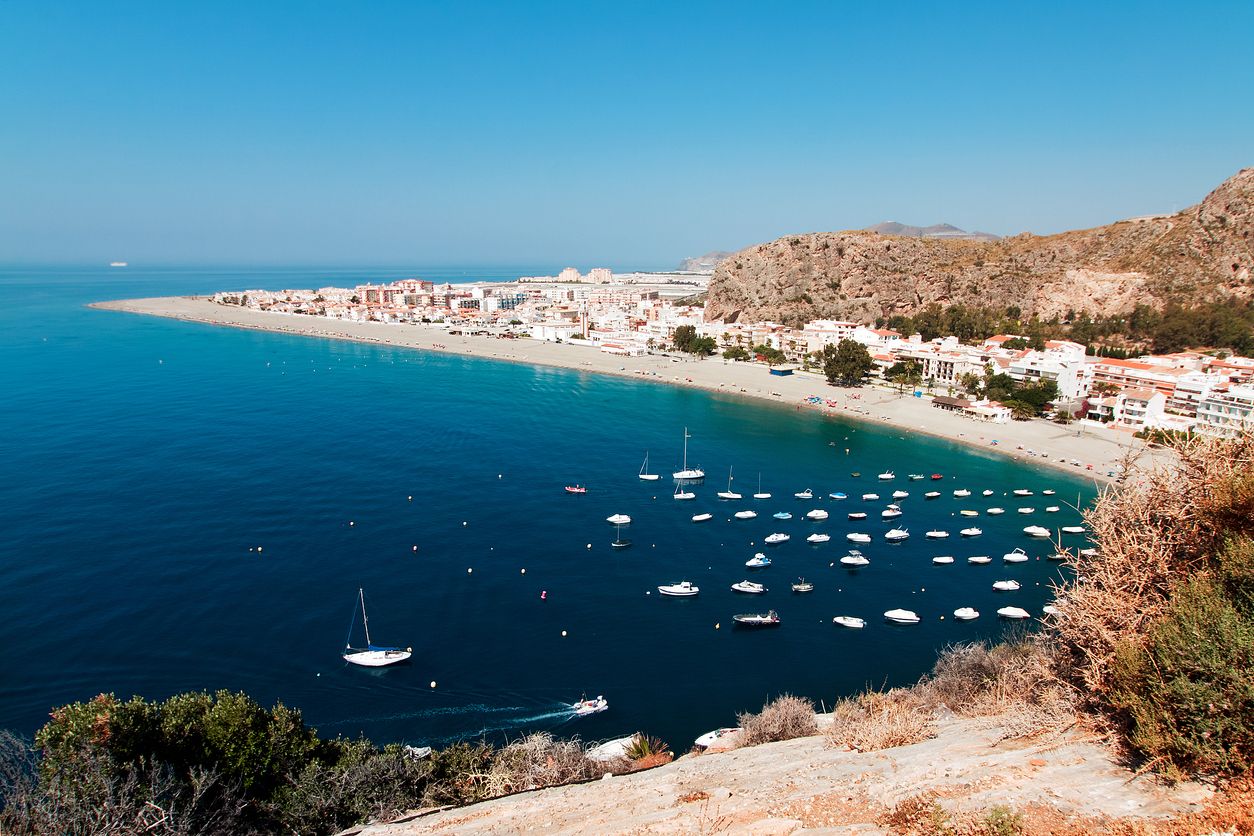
[144,457]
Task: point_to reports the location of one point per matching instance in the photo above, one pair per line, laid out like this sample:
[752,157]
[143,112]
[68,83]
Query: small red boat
[576,489]
[936,476]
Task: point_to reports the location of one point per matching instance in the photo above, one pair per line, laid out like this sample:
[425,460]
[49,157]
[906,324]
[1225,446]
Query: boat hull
[377,658]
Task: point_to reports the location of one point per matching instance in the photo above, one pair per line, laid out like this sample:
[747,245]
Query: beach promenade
[1037,441]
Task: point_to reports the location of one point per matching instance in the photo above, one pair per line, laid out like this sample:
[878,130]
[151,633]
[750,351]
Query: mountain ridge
[1203,253]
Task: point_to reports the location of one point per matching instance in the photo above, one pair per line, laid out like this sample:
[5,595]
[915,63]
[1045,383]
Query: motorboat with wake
[585,707]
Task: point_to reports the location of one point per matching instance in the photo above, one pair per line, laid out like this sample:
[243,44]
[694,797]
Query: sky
[627,135]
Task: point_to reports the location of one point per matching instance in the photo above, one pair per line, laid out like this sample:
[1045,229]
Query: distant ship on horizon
[117,264]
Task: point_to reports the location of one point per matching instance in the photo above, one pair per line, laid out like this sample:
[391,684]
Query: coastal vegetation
[1174,327]
[201,763]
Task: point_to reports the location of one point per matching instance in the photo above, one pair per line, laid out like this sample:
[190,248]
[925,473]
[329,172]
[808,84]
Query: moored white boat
[1058,555]
[931,495]
[761,494]
[686,473]
[1050,609]
[858,537]
[1049,492]
[1014,613]
[968,512]
[966,613]
[701,517]
[971,532]
[915,477]
[1022,492]
[806,494]
[896,535]
[816,514]
[802,585]
[992,512]
[758,561]
[890,513]
[857,515]
[1005,586]
[711,737]
[838,495]
[1016,556]
[936,534]
[818,537]
[902,617]
[683,589]
[1027,510]
[680,493]
[870,497]
[979,559]
[776,538]
[745,515]
[782,515]
[900,494]
[943,559]
[854,558]
[850,621]
[1052,509]
[962,493]
[748,586]
[1073,529]
[986,493]
[644,470]
[618,519]
[371,656]
[1036,531]
[729,493]
[755,619]
[887,476]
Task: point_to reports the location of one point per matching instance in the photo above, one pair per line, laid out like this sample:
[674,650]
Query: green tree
[736,352]
[702,346]
[1019,410]
[904,373]
[846,364]
[683,337]
[772,356]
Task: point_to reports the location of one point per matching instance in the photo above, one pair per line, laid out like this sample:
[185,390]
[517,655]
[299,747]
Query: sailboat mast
[364,621]
[686,436]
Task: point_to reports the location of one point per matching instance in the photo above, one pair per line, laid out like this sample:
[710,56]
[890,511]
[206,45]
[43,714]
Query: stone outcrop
[1203,253]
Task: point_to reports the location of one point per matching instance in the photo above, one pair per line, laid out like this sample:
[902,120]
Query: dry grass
[881,720]
[783,718]
[538,761]
[1165,525]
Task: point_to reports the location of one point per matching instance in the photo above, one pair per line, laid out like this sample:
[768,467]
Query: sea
[190,507]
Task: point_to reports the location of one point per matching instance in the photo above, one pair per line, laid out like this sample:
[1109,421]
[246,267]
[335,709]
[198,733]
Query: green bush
[1187,690]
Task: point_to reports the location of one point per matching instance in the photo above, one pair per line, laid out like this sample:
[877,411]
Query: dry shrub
[1163,526]
[783,718]
[538,761]
[920,814]
[1017,681]
[880,720]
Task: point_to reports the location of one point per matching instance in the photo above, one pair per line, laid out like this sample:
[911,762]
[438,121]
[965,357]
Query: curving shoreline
[1104,449]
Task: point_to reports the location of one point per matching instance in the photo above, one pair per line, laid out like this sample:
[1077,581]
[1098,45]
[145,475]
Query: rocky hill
[933,231]
[1203,253]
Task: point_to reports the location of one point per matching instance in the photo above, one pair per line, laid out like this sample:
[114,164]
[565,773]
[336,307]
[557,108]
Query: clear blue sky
[625,134]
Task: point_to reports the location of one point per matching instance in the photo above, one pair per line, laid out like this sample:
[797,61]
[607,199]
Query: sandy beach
[1038,441]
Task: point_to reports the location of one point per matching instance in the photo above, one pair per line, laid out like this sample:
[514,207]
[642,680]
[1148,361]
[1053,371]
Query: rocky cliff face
[1204,253]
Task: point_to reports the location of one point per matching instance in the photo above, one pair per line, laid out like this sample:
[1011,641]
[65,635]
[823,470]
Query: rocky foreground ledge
[1064,782]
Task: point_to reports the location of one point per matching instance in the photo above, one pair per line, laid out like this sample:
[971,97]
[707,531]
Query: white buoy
[470,571]
[589,545]
[250,548]
[463,522]
[259,552]
[415,548]
[498,476]
[716,625]
[317,674]
[433,683]
[410,498]
[563,632]
[350,522]
[523,572]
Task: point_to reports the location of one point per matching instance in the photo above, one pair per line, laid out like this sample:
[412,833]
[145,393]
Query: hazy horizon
[498,134]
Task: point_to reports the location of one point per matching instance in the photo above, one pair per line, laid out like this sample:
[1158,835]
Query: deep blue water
[143,458]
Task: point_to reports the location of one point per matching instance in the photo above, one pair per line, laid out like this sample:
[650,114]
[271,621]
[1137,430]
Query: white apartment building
[569,274]
[1139,408]
[823,332]
[1227,413]
[600,275]
[1062,362]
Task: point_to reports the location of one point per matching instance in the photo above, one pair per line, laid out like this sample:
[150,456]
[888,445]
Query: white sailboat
[372,656]
[729,493]
[760,494]
[686,472]
[644,470]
